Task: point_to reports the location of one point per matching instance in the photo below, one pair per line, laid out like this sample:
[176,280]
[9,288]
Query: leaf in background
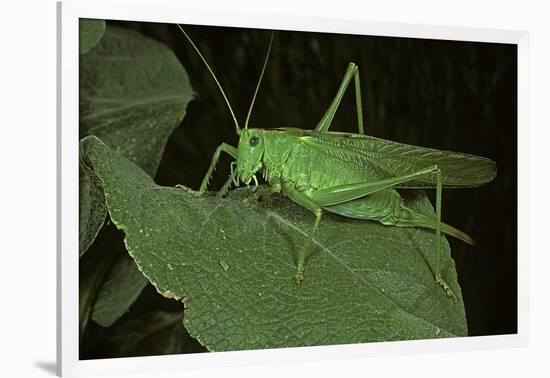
[149,334]
[92,210]
[232,266]
[119,290]
[90,33]
[93,267]
[133,94]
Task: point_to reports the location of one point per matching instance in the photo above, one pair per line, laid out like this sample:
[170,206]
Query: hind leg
[345,193]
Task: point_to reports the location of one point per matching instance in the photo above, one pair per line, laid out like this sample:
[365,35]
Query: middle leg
[303,200]
[326,121]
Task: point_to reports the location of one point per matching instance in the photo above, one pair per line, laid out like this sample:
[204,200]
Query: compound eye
[254,140]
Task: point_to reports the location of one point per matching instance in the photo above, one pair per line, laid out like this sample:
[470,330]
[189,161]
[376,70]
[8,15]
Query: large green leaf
[232,266]
[133,93]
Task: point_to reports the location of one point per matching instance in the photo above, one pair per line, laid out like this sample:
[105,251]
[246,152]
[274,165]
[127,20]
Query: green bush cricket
[352,175]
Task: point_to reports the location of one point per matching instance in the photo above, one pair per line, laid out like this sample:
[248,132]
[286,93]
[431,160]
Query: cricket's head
[250,153]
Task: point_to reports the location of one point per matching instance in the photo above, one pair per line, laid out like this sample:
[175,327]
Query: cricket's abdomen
[384,206]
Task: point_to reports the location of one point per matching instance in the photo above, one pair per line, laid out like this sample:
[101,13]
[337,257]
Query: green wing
[383,158]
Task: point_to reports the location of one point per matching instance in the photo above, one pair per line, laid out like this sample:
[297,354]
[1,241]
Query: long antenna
[238,129]
[259,82]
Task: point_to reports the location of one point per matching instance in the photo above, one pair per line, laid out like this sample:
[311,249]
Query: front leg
[230,150]
[259,192]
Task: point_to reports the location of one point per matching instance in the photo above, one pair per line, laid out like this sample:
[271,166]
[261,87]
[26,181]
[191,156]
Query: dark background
[449,95]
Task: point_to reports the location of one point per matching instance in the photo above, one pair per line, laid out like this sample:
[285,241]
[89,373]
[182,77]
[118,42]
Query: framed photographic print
[289,188]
